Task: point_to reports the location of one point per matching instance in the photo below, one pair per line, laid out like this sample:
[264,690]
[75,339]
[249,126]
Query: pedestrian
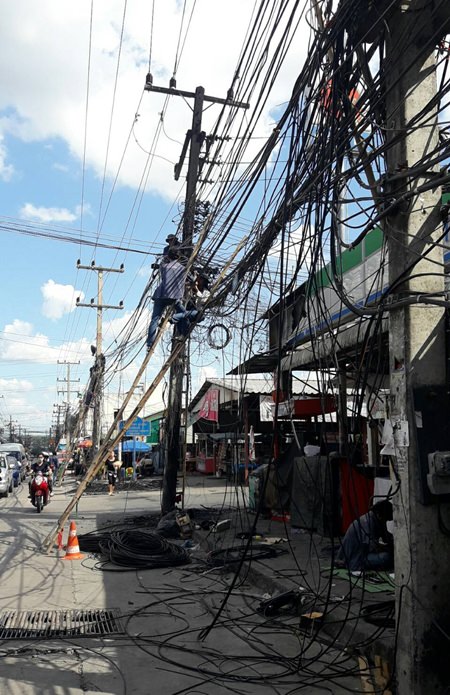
[169,292]
[367,544]
[111,470]
[55,465]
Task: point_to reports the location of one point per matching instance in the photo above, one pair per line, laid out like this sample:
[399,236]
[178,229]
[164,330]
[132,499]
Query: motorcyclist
[43,467]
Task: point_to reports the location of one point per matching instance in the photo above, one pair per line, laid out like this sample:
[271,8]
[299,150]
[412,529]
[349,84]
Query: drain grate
[71,623]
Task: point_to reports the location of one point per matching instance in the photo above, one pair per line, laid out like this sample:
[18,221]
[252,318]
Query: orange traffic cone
[73,548]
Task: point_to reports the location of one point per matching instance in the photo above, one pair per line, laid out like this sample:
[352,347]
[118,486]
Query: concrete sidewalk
[357,608]
[157,646]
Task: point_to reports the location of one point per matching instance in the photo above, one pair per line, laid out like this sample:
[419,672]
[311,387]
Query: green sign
[153,437]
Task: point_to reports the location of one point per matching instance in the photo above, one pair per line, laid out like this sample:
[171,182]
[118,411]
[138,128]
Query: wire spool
[218,336]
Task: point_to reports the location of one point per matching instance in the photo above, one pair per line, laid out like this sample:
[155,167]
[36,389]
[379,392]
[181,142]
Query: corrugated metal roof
[238,384]
[258,364]
[242,386]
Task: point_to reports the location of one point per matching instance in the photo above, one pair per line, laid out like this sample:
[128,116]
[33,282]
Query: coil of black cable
[143,549]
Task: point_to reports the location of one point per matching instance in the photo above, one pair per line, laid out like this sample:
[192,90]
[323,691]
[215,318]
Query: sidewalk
[303,563]
[157,647]
[345,602]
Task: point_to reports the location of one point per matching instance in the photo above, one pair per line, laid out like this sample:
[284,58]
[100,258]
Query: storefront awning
[258,364]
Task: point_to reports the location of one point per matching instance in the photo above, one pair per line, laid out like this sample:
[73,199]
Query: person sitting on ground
[146,466]
[367,544]
[169,292]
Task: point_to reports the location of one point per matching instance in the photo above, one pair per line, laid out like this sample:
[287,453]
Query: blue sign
[138,428]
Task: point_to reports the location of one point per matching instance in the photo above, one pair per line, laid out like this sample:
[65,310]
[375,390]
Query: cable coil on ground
[136,548]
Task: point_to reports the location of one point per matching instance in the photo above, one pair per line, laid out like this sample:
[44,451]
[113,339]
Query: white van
[13,449]
[16,450]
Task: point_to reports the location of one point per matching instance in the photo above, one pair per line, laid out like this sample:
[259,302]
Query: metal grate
[70,623]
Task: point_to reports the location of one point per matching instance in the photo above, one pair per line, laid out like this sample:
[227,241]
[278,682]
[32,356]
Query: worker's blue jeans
[181,317]
[378,561]
[158,309]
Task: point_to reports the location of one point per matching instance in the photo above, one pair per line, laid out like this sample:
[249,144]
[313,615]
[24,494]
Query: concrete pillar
[417,351]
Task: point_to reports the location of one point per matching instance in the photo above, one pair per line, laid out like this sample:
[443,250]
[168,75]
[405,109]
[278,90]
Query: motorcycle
[39,492]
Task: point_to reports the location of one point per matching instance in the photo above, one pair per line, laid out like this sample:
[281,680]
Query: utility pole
[11,429]
[58,408]
[99,365]
[194,140]
[67,381]
[419,403]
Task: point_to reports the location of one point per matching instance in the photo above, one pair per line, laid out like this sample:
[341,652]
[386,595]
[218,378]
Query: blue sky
[48,128]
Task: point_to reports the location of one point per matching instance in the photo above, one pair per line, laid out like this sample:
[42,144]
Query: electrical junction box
[438,477]
[184,523]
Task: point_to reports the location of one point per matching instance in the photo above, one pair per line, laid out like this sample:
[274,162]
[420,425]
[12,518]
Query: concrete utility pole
[11,429]
[99,358]
[67,381]
[419,403]
[57,410]
[194,140]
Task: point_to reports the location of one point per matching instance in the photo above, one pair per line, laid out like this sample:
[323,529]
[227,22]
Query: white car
[6,476]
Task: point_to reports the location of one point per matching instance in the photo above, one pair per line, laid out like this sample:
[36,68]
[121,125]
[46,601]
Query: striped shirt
[173,280]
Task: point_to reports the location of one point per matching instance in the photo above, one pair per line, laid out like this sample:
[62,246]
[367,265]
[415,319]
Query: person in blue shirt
[169,293]
[367,544]
[53,461]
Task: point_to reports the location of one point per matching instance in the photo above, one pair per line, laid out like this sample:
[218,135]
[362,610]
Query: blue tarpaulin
[139,447]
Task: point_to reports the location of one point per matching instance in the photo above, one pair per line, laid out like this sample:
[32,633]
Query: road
[162,613]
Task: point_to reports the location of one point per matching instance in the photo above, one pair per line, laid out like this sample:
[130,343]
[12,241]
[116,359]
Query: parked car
[18,470]
[20,462]
[16,450]
[6,476]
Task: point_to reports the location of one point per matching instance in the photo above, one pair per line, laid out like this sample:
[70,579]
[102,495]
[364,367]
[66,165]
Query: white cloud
[15,385]
[6,170]
[58,299]
[112,329]
[42,214]
[18,343]
[61,167]
[53,103]
[86,209]
[15,393]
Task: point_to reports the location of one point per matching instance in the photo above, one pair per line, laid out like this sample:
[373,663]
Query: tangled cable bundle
[90,542]
[140,548]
